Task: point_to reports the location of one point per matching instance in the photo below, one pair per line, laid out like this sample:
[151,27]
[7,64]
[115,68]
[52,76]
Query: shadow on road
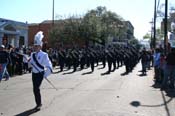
[135,103]
[106,73]
[165,104]
[156,85]
[141,75]
[124,73]
[90,72]
[69,73]
[170,92]
[27,112]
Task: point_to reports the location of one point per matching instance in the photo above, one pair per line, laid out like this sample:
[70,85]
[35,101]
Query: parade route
[88,94]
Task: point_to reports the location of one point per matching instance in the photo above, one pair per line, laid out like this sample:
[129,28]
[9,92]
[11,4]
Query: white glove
[47,73]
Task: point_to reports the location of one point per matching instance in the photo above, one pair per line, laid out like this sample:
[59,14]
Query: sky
[139,12]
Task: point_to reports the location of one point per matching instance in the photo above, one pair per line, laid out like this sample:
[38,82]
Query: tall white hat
[38,38]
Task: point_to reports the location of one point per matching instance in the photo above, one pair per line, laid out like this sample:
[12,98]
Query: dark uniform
[61,59]
[109,60]
[82,59]
[92,59]
[19,63]
[75,59]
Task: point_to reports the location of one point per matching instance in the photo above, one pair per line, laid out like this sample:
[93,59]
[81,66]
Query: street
[87,94]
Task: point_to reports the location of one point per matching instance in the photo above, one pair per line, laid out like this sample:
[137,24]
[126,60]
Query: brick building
[45,26]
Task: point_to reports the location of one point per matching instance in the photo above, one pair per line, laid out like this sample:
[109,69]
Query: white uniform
[44,61]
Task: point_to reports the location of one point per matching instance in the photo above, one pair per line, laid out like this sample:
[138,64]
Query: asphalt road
[88,94]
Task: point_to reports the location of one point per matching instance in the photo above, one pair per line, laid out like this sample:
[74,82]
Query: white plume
[38,38]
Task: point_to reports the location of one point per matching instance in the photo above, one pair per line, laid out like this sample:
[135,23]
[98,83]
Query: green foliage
[96,26]
[133,41]
[159,35]
[147,36]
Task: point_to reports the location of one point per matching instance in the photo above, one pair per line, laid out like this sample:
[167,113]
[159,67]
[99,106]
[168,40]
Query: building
[129,30]
[15,32]
[44,26]
[126,32]
[170,28]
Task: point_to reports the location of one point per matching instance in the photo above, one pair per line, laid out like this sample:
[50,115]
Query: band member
[41,67]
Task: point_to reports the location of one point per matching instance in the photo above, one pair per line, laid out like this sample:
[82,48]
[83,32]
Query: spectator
[157,65]
[4,60]
[169,73]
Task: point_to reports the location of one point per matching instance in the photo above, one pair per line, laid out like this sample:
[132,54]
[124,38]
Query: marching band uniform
[41,68]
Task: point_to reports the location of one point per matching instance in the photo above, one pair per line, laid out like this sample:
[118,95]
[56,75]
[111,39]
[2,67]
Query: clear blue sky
[139,12]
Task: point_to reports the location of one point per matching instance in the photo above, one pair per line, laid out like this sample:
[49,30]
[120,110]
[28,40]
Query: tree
[159,34]
[65,31]
[102,24]
[96,26]
[113,23]
[147,36]
[133,41]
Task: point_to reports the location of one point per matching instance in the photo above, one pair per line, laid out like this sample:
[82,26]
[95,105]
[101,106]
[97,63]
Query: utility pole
[165,27]
[152,26]
[53,14]
[155,16]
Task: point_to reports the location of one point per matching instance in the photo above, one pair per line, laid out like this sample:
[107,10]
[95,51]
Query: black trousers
[37,80]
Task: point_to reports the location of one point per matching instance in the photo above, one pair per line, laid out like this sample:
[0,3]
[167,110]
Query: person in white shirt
[41,67]
[25,62]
